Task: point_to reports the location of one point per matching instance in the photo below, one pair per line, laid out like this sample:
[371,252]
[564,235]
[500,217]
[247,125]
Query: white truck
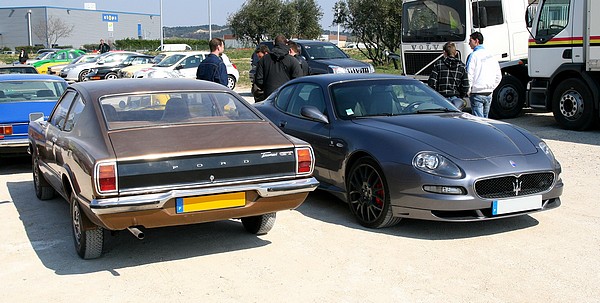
[564,61]
[428,24]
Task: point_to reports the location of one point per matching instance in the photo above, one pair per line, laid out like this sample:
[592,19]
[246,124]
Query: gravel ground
[317,253]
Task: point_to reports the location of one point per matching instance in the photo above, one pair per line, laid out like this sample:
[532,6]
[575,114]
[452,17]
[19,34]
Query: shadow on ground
[325,207]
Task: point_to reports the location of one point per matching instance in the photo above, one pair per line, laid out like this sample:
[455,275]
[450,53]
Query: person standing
[449,77]
[276,68]
[103,47]
[295,52]
[484,76]
[23,56]
[258,93]
[212,67]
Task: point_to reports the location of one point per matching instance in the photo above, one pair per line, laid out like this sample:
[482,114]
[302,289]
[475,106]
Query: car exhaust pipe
[136,232]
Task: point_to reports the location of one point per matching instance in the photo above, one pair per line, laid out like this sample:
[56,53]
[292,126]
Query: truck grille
[416,61]
[357,70]
[514,186]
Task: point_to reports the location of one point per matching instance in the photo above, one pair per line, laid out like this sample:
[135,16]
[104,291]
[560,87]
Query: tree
[376,23]
[258,20]
[53,30]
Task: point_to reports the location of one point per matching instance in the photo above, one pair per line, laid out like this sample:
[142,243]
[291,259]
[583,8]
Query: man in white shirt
[484,76]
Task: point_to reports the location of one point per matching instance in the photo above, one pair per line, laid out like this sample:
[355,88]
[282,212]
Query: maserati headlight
[66,69]
[371,68]
[436,164]
[544,147]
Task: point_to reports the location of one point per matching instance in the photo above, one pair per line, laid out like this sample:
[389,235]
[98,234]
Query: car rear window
[142,110]
[15,91]
[18,70]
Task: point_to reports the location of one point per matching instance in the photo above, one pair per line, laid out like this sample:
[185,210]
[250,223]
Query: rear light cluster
[5,130]
[105,176]
[305,161]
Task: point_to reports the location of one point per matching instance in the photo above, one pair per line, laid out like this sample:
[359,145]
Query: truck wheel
[88,237]
[259,225]
[508,98]
[572,105]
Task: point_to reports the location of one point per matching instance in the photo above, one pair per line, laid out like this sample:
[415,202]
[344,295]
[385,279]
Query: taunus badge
[212,179]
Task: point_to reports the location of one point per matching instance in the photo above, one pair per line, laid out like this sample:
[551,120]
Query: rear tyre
[43,190]
[111,76]
[88,237]
[231,81]
[82,75]
[259,225]
[572,105]
[368,195]
[508,99]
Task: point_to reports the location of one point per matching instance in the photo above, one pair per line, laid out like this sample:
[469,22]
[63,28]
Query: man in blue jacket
[212,67]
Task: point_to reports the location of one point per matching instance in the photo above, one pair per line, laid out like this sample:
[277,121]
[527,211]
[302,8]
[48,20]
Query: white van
[174,48]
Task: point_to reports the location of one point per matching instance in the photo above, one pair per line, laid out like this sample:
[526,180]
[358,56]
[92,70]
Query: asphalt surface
[317,253]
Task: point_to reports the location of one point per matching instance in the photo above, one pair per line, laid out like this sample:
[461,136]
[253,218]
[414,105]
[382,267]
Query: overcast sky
[175,12]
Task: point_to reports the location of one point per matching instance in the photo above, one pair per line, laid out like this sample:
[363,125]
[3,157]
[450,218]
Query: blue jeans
[458,102]
[480,105]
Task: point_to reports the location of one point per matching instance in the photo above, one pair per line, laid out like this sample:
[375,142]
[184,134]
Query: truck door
[554,38]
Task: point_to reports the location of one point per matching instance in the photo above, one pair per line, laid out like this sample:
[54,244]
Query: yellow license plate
[193,204]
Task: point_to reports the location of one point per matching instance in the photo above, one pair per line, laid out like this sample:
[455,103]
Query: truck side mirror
[528,19]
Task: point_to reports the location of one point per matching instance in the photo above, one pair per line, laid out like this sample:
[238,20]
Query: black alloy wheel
[368,195]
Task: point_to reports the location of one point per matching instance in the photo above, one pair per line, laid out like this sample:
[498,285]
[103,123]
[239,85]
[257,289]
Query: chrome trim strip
[157,201]
[14,142]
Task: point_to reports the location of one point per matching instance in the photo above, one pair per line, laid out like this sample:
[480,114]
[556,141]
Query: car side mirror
[36,116]
[313,113]
[179,66]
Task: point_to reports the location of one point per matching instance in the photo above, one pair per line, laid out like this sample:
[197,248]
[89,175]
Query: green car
[60,57]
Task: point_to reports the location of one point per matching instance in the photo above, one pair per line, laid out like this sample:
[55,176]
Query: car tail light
[6,130]
[106,177]
[305,161]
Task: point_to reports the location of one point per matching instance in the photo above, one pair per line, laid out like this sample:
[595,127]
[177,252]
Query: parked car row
[135,154]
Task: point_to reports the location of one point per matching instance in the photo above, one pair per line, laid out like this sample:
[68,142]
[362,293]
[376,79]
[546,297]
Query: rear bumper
[14,143]
[157,210]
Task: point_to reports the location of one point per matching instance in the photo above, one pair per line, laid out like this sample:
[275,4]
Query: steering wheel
[411,107]
[556,26]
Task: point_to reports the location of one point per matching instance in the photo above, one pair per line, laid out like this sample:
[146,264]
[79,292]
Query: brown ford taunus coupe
[149,153]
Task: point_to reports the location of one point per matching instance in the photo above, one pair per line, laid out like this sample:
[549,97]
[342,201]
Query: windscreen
[357,99]
[156,109]
[324,51]
[433,21]
[15,91]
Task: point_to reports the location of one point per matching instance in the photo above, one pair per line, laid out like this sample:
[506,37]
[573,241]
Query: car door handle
[282,123]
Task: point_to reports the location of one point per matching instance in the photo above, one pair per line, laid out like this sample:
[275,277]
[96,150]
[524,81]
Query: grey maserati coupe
[393,148]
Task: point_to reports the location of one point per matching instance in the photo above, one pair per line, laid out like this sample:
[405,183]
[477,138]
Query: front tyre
[508,99]
[83,74]
[259,225]
[88,237]
[111,76]
[572,105]
[231,81]
[368,195]
[43,190]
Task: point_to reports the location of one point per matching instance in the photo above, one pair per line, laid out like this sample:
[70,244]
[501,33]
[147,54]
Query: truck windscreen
[433,21]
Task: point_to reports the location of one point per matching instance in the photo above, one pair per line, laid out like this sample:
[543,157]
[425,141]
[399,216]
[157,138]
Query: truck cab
[428,24]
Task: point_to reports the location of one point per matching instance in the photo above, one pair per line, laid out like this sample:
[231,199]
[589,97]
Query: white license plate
[516,205]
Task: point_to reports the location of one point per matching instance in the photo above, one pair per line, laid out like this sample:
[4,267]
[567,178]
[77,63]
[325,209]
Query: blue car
[20,95]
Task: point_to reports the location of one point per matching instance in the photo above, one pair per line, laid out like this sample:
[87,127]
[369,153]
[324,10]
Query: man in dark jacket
[449,77]
[277,67]
[212,67]
[295,52]
[103,47]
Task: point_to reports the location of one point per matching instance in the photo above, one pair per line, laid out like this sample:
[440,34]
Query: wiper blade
[437,110]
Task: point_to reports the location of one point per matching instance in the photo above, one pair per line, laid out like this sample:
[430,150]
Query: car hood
[342,62]
[194,139]
[462,136]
